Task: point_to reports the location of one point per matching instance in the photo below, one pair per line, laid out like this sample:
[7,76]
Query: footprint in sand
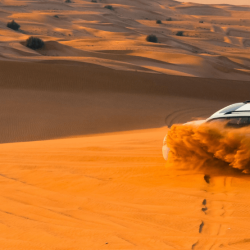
[194,245]
[207,178]
[201,227]
[204,209]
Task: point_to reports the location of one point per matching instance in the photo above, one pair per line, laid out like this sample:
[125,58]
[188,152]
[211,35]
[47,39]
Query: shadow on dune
[43,101]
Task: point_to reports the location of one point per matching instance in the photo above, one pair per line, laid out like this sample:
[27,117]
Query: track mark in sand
[216,213]
[201,227]
[14,179]
[204,209]
[207,178]
[211,247]
[224,211]
[219,229]
[194,245]
[122,238]
[246,240]
[172,117]
[20,216]
[216,227]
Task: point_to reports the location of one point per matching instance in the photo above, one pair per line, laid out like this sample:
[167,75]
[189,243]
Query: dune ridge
[85,31]
[81,99]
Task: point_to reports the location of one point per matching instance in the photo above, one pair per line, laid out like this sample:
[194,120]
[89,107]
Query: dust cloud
[209,148]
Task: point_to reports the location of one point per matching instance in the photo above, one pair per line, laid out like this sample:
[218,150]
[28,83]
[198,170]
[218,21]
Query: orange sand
[85,32]
[112,191]
[71,177]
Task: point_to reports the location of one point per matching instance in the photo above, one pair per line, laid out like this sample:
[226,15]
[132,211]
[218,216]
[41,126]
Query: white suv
[236,116]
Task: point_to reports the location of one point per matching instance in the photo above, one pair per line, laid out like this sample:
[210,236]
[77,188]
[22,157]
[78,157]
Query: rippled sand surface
[215,41]
[82,122]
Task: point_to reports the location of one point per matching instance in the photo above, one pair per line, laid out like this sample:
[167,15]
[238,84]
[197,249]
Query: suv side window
[233,122]
[238,122]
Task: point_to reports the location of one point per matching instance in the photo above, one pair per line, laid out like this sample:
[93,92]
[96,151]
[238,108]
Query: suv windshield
[234,122]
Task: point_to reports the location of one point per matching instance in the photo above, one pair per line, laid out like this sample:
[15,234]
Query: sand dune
[246,42]
[91,202]
[102,189]
[113,191]
[201,10]
[85,27]
[83,120]
[72,100]
[238,33]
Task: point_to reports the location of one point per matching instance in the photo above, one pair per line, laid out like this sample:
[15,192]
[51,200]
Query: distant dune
[60,99]
[85,31]
[228,2]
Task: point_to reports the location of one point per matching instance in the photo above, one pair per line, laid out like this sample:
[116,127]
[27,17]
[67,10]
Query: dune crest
[86,31]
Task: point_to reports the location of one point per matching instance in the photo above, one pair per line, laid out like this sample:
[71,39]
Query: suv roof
[234,110]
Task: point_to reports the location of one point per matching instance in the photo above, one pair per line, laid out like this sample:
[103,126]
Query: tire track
[201,227]
[216,210]
[173,116]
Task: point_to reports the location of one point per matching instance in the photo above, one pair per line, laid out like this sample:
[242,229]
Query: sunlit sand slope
[112,191]
[214,40]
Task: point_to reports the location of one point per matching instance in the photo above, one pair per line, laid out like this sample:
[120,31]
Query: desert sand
[215,41]
[82,122]
[112,191]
